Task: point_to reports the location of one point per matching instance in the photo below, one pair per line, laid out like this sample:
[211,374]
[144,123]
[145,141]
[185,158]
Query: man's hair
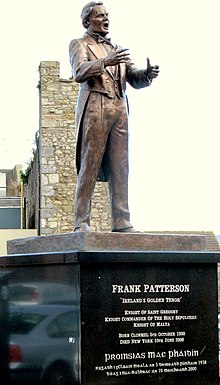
[87,10]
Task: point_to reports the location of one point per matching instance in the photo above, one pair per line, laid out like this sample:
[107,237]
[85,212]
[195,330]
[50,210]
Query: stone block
[107,241]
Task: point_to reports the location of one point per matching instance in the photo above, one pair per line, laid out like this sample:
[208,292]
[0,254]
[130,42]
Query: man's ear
[87,24]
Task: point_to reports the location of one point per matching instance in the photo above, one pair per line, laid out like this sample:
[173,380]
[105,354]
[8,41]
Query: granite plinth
[94,241]
[147,294]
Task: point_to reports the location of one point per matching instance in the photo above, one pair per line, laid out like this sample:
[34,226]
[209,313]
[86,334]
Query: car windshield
[23,323]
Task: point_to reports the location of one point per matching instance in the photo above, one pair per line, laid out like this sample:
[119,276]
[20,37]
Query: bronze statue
[102,69]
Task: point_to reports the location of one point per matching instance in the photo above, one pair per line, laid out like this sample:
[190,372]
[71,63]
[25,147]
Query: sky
[174,182]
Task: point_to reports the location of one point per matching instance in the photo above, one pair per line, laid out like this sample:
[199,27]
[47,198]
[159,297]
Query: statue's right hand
[116,56]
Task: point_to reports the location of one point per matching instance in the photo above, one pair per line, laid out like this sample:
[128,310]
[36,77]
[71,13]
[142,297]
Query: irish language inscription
[154,323]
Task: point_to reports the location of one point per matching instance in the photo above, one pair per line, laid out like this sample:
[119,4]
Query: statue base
[93,241]
[135,308]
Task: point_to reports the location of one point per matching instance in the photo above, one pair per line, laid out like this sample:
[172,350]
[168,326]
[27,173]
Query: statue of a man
[102,69]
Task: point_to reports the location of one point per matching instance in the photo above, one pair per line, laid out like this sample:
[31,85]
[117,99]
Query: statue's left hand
[152,71]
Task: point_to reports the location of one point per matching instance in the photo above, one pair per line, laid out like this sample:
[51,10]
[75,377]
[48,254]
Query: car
[35,293]
[44,344]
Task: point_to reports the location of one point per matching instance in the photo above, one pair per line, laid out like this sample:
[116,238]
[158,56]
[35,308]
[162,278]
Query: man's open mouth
[106,24]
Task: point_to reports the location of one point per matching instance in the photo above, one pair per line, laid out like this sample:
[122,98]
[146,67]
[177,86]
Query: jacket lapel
[96,50]
[94,47]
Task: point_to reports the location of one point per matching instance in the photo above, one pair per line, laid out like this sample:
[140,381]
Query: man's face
[98,20]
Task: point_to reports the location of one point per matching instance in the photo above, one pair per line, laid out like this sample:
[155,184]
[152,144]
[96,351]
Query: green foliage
[25,175]
[39,85]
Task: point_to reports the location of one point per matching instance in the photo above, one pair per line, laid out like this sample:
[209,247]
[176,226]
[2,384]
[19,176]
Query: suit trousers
[104,131]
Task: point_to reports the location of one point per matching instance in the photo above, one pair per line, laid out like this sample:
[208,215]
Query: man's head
[95,17]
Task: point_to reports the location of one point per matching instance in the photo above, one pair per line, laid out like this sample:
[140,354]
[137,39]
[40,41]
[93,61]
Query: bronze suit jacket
[88,70]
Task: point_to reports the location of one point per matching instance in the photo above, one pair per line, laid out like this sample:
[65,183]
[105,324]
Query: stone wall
[12,180]
[31,192]
[57,156]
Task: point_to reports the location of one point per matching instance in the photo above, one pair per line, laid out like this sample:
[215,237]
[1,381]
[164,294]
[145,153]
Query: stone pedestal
[107,242]
[144,305]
